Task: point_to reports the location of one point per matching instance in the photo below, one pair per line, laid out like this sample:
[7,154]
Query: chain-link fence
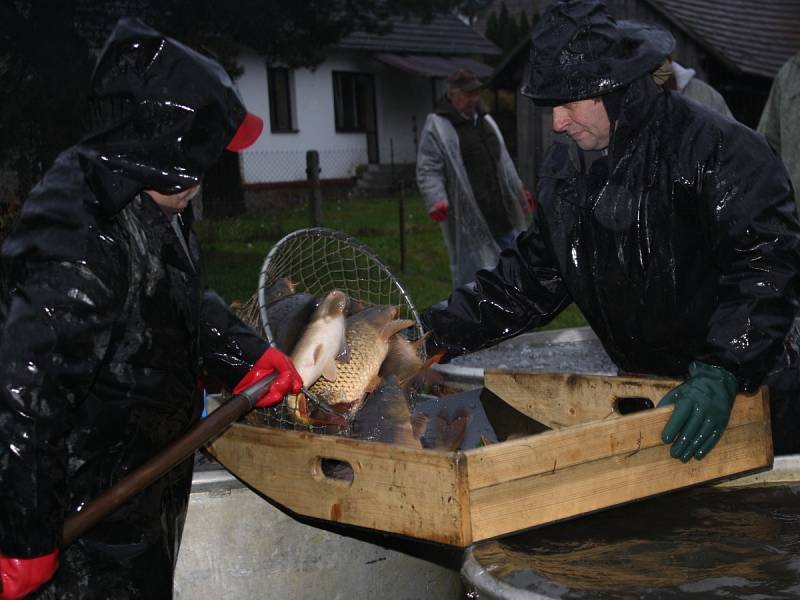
[273,167]
[278,179]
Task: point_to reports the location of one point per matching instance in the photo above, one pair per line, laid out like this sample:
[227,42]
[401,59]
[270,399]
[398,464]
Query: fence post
[402,226]
[391,158]
[315,195]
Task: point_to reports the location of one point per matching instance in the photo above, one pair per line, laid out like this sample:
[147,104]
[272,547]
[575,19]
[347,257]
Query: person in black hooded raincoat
[671,227]
[107,325]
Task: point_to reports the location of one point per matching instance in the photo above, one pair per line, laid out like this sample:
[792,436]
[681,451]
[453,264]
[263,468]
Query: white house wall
[402,100]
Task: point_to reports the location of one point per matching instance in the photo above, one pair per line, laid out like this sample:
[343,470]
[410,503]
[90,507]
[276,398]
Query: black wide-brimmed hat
[579,51]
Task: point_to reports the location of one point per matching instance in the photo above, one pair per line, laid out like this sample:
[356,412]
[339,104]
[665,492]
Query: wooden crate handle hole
[626,405]
[334,470]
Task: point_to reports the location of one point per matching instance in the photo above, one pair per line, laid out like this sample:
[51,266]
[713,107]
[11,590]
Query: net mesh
[317,261]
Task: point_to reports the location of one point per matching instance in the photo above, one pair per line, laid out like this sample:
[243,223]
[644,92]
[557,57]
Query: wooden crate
[593,458]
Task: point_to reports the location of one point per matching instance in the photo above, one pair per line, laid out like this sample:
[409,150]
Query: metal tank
[236,545]
[734,540]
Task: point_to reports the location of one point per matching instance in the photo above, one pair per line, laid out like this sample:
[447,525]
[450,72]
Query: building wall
[281,157]
[402,100]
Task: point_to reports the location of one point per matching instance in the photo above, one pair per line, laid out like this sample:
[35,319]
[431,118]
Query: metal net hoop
[318,260]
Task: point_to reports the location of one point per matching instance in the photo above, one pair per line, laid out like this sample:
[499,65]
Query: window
[279,81]
[354,101]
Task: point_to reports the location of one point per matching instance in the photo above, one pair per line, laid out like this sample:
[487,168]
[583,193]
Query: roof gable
[751,37]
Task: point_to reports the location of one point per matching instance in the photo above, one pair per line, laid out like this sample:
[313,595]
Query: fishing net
[319,260]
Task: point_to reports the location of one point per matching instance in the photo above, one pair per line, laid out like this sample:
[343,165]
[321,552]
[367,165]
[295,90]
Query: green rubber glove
[702,409]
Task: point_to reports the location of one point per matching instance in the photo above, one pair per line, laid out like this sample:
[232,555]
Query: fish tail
[450,432]
[419,423]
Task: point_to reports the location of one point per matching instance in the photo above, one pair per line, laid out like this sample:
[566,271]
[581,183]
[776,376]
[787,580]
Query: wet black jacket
[104,332]
[681,244]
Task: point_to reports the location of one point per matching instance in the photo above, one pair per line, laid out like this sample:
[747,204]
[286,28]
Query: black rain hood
[108,324]
[579,51]
[681,243]
[160,114]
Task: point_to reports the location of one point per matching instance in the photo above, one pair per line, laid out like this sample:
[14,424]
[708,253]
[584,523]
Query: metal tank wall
[236,545]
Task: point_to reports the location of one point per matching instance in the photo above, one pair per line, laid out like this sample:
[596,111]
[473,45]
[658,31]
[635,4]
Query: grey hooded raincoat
[441,174]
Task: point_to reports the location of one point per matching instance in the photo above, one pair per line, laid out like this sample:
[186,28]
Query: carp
[250,313]
[314,355]
[281,288]
[367,340]
[287,318]
[386,417]
[404,360]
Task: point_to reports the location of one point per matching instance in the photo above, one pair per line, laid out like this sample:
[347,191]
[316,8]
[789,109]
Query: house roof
[428,65]
[443,34]
[750,37]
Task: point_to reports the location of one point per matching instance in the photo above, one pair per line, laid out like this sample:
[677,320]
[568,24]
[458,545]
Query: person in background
[468,181]
[780,121]
[107,325]
[673,229]
[675,76]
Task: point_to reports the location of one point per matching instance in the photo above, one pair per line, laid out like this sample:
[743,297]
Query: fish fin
[300,409]
[357,305]
[396,325]
[317,356]
[424,375]
[319,418]
[374,383]
[435,358]
[450,432]
[405,437]
[329,370]
[344,353]
[419,344]
[419,423]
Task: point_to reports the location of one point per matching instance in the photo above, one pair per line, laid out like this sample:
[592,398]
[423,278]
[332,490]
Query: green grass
[234,248]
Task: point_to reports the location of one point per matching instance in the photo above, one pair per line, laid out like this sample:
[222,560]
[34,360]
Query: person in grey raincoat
[684,80]
[107,325]
[672,228]
[468,181]
[780,121]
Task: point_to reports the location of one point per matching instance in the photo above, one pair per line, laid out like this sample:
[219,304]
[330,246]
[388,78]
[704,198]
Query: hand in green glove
[702,409]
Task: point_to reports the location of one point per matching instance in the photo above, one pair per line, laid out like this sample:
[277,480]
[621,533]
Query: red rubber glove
[21,576]
[287,381]
[438,211]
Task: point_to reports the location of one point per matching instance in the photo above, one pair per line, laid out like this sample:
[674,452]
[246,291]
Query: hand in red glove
[21,576]
[438,211]
[287,380]
[528,203]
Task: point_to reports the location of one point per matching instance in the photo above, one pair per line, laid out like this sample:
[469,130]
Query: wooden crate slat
[410,492]
[542,453]
[561,400]
[583,488]
[461,497]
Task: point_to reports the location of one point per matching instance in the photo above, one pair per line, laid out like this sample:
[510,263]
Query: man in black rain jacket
[671,227]
[107,325]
